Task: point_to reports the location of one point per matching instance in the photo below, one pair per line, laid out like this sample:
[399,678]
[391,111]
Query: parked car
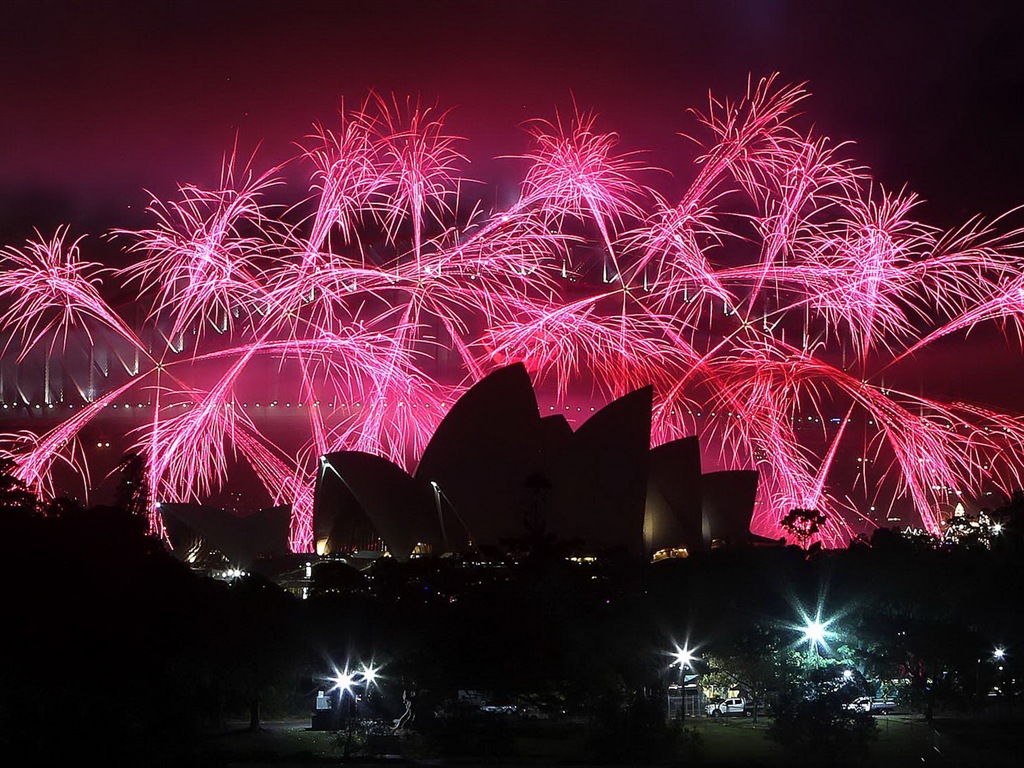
[534,713]
[734,707]
[872,705]
[499,709]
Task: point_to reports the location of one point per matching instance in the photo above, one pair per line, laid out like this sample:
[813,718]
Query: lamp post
[684,658]
[345,682]
[998,657]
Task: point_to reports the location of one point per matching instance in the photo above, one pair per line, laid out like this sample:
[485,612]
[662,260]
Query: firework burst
[765,305]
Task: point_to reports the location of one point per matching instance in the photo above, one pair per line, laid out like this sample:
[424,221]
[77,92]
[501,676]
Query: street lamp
[683,657]
[347,680]
[344,681]
[368,672]
[998,655]
[814,633]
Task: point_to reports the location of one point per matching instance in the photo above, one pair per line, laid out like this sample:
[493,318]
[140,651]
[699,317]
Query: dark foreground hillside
[903,740]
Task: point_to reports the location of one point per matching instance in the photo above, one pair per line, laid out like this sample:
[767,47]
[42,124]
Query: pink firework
[769,304]
[419,160]
[206,258]
[46,289]
[576,174]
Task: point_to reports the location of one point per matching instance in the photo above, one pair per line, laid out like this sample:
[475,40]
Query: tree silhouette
[133,488]
[803,523]
[15,497]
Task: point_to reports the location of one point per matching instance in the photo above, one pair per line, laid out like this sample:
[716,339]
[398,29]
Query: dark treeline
[116,648]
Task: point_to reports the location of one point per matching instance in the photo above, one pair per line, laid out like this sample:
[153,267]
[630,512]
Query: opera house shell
[496,473]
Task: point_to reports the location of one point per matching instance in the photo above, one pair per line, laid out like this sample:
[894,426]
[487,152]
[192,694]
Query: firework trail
[765,305]
[46,289]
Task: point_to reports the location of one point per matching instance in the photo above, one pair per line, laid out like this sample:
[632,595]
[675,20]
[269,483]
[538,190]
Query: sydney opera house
[497,473]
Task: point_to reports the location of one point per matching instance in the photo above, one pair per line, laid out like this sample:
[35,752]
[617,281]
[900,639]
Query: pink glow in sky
[103,99]
[762,268]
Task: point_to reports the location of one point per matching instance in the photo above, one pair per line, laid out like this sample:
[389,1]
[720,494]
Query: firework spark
[765,304]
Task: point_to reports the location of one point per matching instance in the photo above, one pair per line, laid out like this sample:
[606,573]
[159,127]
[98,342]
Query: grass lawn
[291,741]
[738,742]
[902,740]
[725,743]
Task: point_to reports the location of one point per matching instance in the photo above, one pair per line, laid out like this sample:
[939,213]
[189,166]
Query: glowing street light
[344,681]
[683,658]
[998,656]
[814,633]
[368,674]
[347,681]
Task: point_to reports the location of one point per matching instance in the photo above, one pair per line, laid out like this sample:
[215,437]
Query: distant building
[964,528]
[496,475]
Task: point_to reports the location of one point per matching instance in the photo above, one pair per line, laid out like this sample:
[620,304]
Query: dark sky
[101,99]
[105,99]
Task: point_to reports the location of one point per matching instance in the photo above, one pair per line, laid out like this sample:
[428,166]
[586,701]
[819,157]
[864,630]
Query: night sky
[104,100]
